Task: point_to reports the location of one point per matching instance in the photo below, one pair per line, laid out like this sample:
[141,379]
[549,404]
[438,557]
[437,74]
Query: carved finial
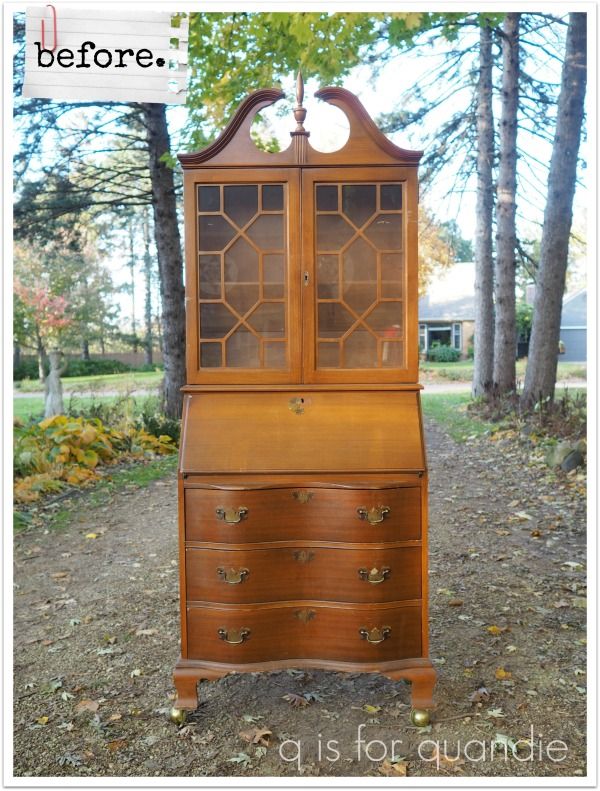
[299,89]
[299,110]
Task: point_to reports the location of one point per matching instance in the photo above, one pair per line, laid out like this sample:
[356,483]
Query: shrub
[439,353]
[66,450]
[95,367]
[27,369]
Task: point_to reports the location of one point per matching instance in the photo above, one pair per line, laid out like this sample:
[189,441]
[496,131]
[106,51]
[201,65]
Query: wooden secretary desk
[302,476]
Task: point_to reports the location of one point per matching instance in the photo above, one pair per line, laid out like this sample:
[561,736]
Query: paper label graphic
[95,54]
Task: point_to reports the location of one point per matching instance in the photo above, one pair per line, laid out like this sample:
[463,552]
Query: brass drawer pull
[373,515]
[231,516]
[375,576]
[375,635]
[234,636]
[303,555]
[232,576]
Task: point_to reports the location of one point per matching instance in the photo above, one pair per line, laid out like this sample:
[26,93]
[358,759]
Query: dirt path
[96,628]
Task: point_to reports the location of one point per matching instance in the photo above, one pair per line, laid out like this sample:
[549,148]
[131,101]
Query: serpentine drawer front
[304,630]
[302,513]
[302,468]
[285,574]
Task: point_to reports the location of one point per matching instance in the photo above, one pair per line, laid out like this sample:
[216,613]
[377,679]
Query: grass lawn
[450,410]
[462,371]
[33,406]
[134,379]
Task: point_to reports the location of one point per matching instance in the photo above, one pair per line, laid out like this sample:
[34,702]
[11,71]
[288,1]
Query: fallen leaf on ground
[497,629]
[117,744]
[455,602]
[146,632]
[502,674]
[87,705]
[395,769]
[257,736]
[480,695]
[296,700]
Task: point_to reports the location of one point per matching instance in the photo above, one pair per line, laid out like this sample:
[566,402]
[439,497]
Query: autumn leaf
[241,758]
[298,701]
[87,705]
[393,769]
[146,632]
[91,535]
[502,674]
[445,762]
[257,736]
[455,603]
[42,720]
[495,630]
[117,744]
[480,695]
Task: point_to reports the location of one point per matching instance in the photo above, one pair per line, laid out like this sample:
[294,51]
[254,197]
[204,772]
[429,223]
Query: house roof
[451,295]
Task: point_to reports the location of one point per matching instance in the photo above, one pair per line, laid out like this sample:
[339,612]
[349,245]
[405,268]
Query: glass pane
[267,232]
[385,232]
[327,197]
[334,320]
[275,355]
[360,296]
[360,350]
[360,262]
[210,355]
[215,320]
[273,269]
[269,319]
[386,319]
[391,266]
[209,198]
[241,263]
[393,354]
[359,202]
[332,232]
[329,355]
[242,350]
[273,291]
[241,202]
[214,232]
[210,277]
[241,297]
[272,197]
[391,197]
[327,276]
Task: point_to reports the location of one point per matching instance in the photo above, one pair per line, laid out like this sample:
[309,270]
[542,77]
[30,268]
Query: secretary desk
[302,470]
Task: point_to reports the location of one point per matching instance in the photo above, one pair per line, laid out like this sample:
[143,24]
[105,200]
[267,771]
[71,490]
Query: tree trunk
[132,285]
[85,349]
[170,260]
[484,255]
[505,333]
[540,376]
[16,356]
[148,283]
[41,358]
[53,386]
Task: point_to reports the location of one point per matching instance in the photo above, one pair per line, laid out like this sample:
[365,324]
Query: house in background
[573,327]
[447,311]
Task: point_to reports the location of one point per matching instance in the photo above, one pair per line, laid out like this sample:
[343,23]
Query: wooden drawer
[298,631]
[286,574]
[309,514]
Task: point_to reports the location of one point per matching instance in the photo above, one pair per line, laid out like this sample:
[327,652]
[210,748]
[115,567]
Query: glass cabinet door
[243,284]
[359,292]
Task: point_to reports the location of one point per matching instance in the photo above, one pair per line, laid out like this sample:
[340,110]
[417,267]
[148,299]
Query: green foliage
[67,450]
[232,54]
[441,353]
[524,319]
[27,369]
[462,248]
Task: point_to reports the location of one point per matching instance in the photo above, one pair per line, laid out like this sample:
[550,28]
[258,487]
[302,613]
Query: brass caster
[419,717]
[178,716]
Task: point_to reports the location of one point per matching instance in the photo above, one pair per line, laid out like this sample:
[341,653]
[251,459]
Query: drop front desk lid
[298,432]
